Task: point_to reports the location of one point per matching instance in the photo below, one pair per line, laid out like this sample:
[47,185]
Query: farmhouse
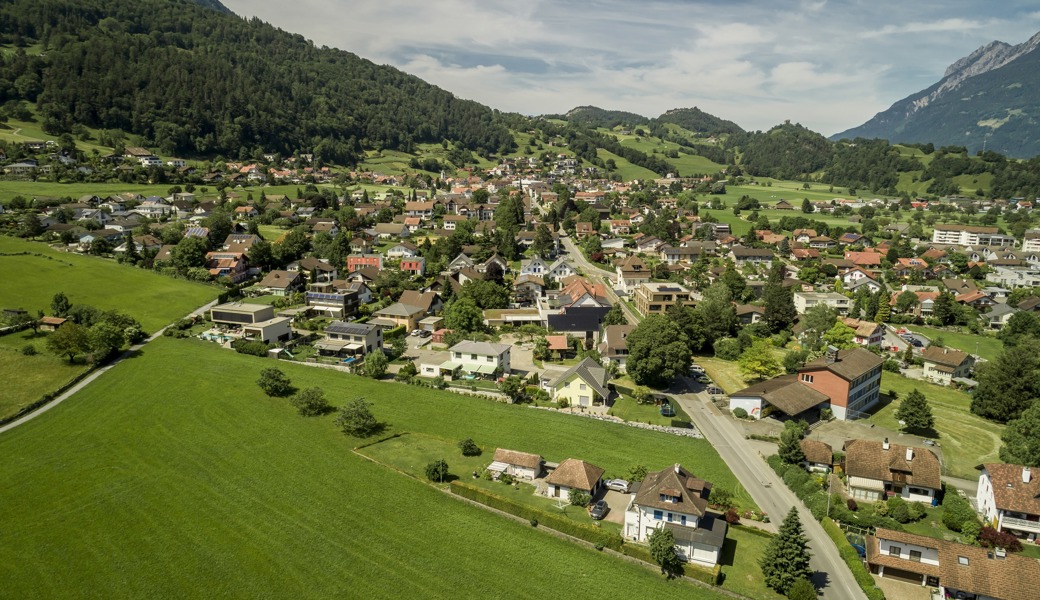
[819,456]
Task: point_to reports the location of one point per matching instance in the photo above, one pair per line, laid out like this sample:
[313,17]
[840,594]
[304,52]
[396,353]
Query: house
[337,301]
[399,314]
[388,231]
[232,265]
[51,323]
[316,270]
[235,314]
[614,347]
[879,470]
[534,266]
[631,272]
[429,302]
[350,339]
[415,266]
[999,315]
[956,570]
[977,300]
[942,365]
[867,333]
[803,301]
[1008,499]
[356,262]
[656,298]
[851,378]
[281,283]
[402,250]
[819,456]
[784,393]
[528,288]
[485,359]
[584,384]
[583,229]
[743,256]
[574,474]
[521,465]
[970,235]
[675,499]
[750,313]
[869,260]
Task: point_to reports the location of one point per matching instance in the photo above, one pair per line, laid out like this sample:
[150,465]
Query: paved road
[770,493]
[593,272]
[94,375]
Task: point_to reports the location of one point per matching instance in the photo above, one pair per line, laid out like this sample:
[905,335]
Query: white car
[618,485]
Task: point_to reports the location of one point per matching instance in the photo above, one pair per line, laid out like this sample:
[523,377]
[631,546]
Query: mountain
[698,121]
[984,99]
[593,116]
[192,79]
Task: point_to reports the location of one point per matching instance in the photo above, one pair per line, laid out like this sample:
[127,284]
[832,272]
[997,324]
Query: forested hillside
[698,121]
[195,81]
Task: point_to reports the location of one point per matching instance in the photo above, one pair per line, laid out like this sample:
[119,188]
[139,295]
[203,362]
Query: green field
[627,170]
[625,407]
[27,378]
[32,189]
[986,346]
[966,440]
[173,476]
[154,300]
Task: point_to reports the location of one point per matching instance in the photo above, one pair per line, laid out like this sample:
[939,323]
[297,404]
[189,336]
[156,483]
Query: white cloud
[944,25]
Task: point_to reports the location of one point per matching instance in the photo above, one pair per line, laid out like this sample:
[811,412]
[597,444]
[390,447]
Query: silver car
[617,485]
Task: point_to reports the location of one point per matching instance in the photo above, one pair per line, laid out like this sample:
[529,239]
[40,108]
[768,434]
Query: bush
[727,348]
[732,517]
[29,350]
[721,497]
[437,471]
[253,347]
[852,505]
[991,538]
[506,478]
[956,511]
[469,447]
[310,402]
[274,382]
[579,498]
[891,366]
[739,413]
[916,510]
[852,559]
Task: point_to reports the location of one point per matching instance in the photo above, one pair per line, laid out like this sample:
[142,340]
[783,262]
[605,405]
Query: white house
[479,358]
[521,465]
[1009,499]
[674,499]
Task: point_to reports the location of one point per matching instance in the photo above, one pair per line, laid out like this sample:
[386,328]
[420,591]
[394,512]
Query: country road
[593,272]
[769,492]
[131,351]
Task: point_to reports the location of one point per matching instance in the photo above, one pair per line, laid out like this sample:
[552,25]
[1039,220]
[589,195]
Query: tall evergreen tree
[786,559]
[915,412]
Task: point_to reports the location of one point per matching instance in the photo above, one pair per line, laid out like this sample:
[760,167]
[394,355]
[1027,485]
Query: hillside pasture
[175,468]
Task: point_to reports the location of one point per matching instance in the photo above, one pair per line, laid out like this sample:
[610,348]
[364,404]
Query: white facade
[908,551]
[1001,519]
[863,488]
[803,301]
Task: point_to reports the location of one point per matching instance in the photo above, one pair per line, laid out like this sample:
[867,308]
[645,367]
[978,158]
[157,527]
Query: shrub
[579,498]
[439,382]
[437,471]
[852,505]
[253,347]
[901,513]
[533,522]
[310,402]
[732,517]
[991,538]
[916,510]
[721,497]
[274,382]
[739,413]
[854,562]
[891,366]
[727,348]
[469,447]
[956,511]
[29,350]
[507,479]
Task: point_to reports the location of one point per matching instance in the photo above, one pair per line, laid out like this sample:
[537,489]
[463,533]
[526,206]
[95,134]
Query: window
[915,555]
[962,560]
[894,550]
[582,387]
[682,519]
[658,515]
[669,517]
[807,378]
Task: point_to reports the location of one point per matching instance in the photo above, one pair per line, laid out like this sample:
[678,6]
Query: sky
[829,65]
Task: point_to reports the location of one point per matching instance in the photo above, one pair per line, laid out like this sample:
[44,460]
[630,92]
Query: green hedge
[593,535]
[396,332]
[852,559]
[708,576]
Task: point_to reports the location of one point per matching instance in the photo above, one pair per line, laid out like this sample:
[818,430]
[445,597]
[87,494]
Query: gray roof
[591,373]
[349,328]
[850,364]
[481,348]
[399,309]
[710,531]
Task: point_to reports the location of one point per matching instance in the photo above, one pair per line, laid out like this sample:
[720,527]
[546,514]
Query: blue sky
[826,64]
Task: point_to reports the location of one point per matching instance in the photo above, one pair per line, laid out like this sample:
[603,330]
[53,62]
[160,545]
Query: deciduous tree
[356,419]
[310,402]
[274,382]
[757,361]
[376,364]
[658,351]
[1007,385]
[662,549]
[1022,439]
[69,340]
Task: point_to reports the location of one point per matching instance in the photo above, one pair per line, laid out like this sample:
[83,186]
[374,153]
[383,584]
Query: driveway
[617,502]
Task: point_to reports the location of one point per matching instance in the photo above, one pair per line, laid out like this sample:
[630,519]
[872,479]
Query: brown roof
[576,474]
[816,451]
[944,356]
[968,228]
[1012,577]
[52,320]
[1010,492]
[557,342]
[869,459]
[423,300]
[692,492]
[523,459]
[279,279]
[786,393]
[862,328]
[850,364]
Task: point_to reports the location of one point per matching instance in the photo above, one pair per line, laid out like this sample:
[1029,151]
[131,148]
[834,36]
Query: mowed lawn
[154,300]
[987,346]
[173,476]
[28,378]
[965,439]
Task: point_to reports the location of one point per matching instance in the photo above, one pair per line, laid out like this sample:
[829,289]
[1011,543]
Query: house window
[915,555]
[894,550]
[962,560]
[582,387]
[669,517]
[658,515]
[807,378]
[682,519]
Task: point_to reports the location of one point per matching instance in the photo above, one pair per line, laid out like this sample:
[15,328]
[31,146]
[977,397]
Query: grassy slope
[966,439]
[151,298]
[989,347]
[27,378]
[153,482]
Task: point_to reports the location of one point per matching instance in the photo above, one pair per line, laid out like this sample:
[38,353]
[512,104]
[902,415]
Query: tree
[945,308]
[802,589]
[1008,385]
[716,311]
[615,316]
[906,302]
[884,311]
[779,306]
[758,363]
[104,338]
[818,321]
[543,241]
[1022,439]
[437,471]
[915,412]
[657,351]
[469,448]
[464,316]
[662,549]
[786,559]
[29,226]
[790,447]
[274,382]
[514,388]
[376,364]
[310,402]
[691,323]
[60,305]
[189,253]
[69,340]
[356,419]
[807,206]
[25,320]
[486,294]
[841,336]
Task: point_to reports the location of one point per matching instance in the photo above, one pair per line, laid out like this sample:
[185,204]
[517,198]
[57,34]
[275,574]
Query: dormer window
[807,378]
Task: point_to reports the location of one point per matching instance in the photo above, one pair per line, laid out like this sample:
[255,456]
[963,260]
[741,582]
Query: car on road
[599,510]
[617,485]
[696,370]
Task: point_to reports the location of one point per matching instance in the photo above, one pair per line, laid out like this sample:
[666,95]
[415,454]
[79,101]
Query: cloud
[945,25]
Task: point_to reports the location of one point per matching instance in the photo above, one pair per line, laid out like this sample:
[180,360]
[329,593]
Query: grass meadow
[172,475]
[31,281]
[27,378]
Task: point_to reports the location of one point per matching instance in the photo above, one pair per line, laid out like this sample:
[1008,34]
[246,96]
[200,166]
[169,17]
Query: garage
[902,575]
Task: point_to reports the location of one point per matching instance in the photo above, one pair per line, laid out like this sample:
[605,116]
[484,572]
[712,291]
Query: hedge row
[593,535]
[708,576]
[852,559]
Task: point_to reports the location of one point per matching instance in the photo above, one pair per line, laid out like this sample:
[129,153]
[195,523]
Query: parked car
[425,333]
[416,332]
[703,379]
[696,369]
[599,510]
[618,485]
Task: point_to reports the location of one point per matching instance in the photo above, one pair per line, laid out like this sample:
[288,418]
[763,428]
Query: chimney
[677,468]
[1027,474]
[909,454]
[885,444]
[832,354]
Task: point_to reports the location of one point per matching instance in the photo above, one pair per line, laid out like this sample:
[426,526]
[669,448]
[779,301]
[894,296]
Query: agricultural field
[198,485]
[965,439]
[627,170]
[48,189]
[33,279]
[27,378]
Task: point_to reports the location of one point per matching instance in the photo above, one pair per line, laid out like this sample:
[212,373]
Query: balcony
[1020,524]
